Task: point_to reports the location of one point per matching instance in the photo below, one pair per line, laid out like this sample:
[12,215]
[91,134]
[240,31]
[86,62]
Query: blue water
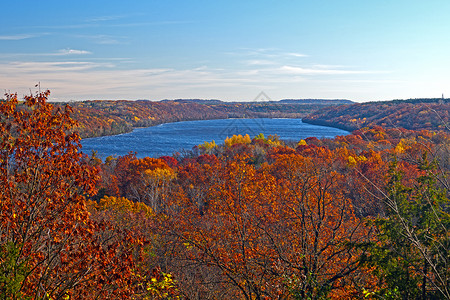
[166,139]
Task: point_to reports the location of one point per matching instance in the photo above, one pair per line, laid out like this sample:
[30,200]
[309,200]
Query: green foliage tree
[12,274]
[412,253]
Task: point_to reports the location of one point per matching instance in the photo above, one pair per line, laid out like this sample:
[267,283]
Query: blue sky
[228,50]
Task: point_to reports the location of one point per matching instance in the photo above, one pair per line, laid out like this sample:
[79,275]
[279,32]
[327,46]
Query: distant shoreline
[304,120]
[104,118]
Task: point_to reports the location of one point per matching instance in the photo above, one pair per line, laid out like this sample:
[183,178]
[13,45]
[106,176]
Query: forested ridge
[365,215]
[102,117]
[415,114]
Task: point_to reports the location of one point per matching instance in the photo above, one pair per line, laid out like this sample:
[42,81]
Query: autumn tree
[49,246]
[137,221]
[146,180]
[319,223]
[269,232]
[221,229]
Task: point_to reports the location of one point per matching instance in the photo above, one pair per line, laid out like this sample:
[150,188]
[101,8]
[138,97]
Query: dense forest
[365,215]
[98,118]
[416,114]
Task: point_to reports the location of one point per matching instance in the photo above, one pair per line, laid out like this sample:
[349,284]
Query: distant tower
[442,96]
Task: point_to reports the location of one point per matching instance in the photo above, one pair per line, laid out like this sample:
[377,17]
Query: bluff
[413,114]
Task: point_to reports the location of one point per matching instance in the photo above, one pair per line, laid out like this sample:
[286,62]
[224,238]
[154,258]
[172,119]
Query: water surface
[166,139]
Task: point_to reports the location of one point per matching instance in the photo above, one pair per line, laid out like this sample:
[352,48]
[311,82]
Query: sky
[229,50]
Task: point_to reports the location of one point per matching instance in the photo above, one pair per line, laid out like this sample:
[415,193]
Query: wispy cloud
[318,71]
[72,52]
[260,62]
[321,66]
[102,39]
[113,25]
[296,54]
[97,79]
[53,68]
[265,57]
[258,52]
[105,18]
[145,24]
[87,80]
[17,37]
[62,52]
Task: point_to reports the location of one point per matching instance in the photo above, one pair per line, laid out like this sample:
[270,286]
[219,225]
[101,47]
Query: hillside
[98,118]
[414,114]
[354,217]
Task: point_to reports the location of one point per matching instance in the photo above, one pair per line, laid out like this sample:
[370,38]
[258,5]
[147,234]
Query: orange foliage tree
[280,230]
[49,246]
[319,225]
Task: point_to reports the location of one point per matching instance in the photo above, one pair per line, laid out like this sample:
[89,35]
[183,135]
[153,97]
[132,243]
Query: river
[166,139]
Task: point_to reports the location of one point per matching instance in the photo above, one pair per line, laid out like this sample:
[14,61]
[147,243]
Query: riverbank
[104,118]
[328,124]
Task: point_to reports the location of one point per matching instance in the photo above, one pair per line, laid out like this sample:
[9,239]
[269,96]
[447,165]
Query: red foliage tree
[49,246]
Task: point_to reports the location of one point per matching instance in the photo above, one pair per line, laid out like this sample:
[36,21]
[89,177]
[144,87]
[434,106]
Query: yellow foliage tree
[121,204]
[207,146]
[237,139]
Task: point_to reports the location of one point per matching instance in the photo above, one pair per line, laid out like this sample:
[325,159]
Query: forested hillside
[98,118]
[417,114]
[365,215]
